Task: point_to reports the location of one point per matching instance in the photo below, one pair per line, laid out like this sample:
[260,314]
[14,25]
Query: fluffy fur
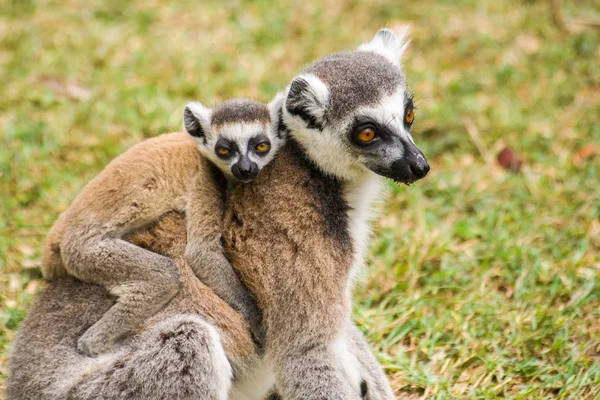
[239,121]
[179,353]
[157,176]
[176,354]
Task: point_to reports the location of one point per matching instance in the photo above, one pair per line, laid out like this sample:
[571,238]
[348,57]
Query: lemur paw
[93,343]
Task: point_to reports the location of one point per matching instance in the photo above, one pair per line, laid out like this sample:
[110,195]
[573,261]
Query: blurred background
[482,280]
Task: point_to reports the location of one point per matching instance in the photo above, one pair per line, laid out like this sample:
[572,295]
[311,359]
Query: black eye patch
[226,148]
[228,144]
[259,145]
[382,132]
[256,140]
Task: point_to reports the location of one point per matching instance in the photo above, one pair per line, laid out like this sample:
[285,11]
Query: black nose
[411,167]
[244,169]
[245,166]
[419,167]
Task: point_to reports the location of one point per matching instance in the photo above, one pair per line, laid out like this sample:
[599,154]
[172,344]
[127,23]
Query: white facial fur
[331,147]
[241,133]
[325,135]
[332,101]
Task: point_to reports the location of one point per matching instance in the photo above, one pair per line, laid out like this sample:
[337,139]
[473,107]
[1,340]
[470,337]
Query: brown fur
[155,177]
[166,359]
[169,357]
[287,236]
[168,237]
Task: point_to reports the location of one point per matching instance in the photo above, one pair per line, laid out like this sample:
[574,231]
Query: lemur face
[353,112]
[238,136]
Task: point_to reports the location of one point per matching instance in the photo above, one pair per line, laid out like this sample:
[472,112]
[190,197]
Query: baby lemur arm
[204,251]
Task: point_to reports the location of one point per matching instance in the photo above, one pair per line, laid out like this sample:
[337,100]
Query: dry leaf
[509,160]
[586,152]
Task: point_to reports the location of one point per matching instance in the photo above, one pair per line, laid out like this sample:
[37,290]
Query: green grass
[481,283]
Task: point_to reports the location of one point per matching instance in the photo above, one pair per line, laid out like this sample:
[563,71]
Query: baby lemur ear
[196,120]
[307,98]
[388,44]
[276,114]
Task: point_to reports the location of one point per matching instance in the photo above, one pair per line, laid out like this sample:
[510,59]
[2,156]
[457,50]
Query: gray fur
[171,359]
[155,177]
[341,94]
[355,79]
[326,108]
[192,125]
[242,123]
[240,110]
[378,387]
[155,280]
[168,359]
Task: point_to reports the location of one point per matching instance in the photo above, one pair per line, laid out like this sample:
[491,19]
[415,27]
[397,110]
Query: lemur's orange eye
[223,151]
[366,135]
[409,117]
[262,147]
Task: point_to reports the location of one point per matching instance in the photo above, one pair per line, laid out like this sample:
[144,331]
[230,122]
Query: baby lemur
[158,176]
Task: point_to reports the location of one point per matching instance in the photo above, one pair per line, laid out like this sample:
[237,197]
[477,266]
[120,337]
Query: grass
[481,283]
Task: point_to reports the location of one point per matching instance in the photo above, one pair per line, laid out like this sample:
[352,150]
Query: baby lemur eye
[223,151]
[409,116]
[366,135]
[262,147]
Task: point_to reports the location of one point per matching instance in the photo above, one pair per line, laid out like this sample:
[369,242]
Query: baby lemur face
[238,136]
[353,111]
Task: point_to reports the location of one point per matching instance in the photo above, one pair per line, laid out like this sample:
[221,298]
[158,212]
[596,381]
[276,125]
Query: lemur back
[144,174]
[178,172]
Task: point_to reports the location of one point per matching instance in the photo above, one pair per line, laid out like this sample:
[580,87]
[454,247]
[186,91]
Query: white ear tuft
[276,114]
[275,105]
[388,44]
[196,120]
[307,98]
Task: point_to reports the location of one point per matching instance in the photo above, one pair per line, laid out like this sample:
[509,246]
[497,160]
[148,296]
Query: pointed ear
[275,105]
[276,114]
[388,44]
[307,98]
[196,120]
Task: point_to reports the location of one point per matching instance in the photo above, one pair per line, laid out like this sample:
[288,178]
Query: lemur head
[353,112]
[238,136]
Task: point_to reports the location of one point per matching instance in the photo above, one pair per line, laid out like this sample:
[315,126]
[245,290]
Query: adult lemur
[296,234]
[157,176]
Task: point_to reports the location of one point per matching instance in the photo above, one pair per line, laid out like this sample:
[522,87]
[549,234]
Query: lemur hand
[253,316]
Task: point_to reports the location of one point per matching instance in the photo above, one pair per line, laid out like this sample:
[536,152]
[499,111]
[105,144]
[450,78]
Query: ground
[481,282]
